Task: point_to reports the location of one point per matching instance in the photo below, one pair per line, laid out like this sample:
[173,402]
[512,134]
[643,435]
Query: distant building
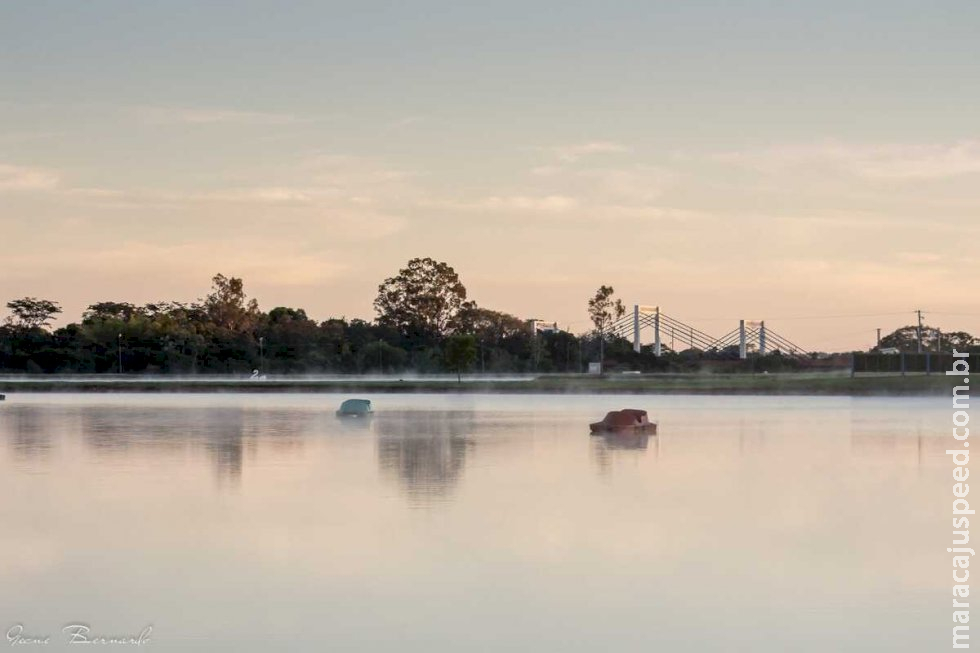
[540,326]
[889,350]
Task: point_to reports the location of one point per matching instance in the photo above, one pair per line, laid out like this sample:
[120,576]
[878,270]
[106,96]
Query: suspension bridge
[748,335]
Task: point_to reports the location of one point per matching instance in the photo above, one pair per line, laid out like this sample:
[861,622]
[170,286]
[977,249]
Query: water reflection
[771,504]
[425,450]
[121,434]
[356,425]
[608,447]
[909,449]
[225,443]
[628,441]
[912,445]
[30,437]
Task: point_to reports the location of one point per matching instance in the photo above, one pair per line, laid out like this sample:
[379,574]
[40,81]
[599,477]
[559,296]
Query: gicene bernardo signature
[77,634]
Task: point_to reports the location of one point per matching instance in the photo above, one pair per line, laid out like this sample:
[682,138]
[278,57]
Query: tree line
[425,323]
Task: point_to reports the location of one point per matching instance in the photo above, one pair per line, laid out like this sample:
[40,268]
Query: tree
[104,311]
[33,313]
[603,311]
[460,353]
[959,340]
[289,340]
[227,306]
[488,325]
[907,339]
[495,332]
[380,356]
[422,301]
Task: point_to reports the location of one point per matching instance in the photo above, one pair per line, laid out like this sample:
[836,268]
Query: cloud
[269,260]
[920,258]
[573,153]
[405,122]
[258,195]
[546,171]
[581,194]
[874,162]
[516,203]
[636,184]
[356,175]
[23,178]
[351,198]
[205,116]
[98,193]
[310,211]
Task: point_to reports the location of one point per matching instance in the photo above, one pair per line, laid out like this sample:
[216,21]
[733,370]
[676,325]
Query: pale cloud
[873,162]
[204,116]
[639,184]
[258,195]
[309,211]
[98,193]
[895,280]
[350,198]
[351,172]
[546,171]
[510,203]
[918,162]
[650,213]
[252,258]
[575,152]
[406,121]
[25,178]
[920,258]
[581,194]
[568,209]
[548,203]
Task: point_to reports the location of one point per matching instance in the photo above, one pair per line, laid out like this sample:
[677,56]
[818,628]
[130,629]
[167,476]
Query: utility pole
[918,332]
[878,345]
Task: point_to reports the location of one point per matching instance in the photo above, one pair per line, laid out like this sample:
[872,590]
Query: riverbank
[761,384]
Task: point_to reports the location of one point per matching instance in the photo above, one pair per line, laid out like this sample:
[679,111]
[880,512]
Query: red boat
[629,420]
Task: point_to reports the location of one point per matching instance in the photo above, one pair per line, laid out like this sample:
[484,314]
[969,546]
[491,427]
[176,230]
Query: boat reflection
[425,450]
[609,447]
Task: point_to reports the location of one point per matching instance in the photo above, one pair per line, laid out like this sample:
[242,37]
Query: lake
[262,522]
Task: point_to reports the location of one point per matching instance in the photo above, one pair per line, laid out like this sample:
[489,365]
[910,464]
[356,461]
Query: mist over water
[461,522]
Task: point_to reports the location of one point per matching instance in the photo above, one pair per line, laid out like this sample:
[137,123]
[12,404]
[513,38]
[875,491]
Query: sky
[815,165]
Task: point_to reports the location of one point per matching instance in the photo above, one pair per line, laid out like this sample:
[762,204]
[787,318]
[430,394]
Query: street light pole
[261,352]
[119,348]
[918,333]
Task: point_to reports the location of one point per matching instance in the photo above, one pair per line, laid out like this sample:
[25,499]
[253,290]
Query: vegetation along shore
[426,324]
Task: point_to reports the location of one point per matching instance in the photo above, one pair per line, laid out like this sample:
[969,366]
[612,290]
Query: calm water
[477,522]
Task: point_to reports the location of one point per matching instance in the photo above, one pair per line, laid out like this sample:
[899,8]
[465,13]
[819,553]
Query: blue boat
[355,408]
